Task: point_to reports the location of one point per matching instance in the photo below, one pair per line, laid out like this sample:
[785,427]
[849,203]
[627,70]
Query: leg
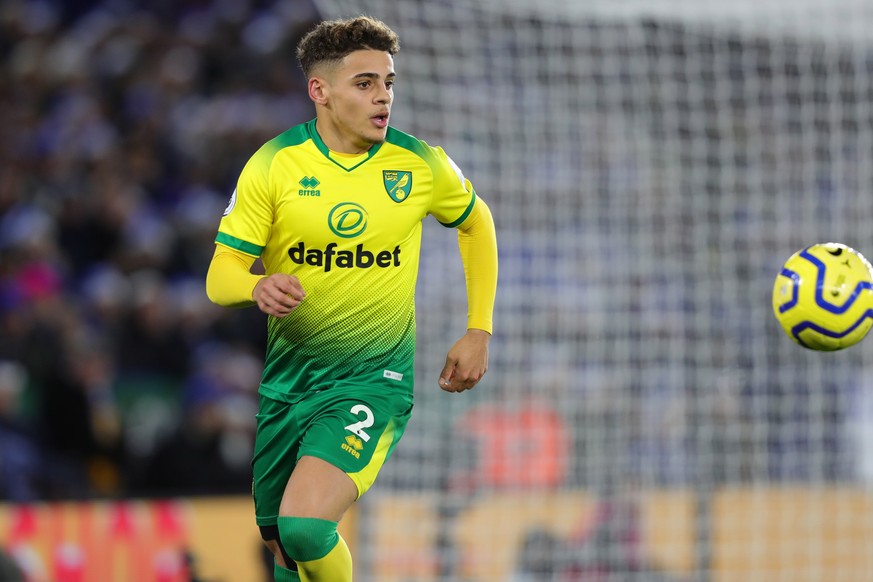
[284,568]
[334,444]
[315,499]
[272,462]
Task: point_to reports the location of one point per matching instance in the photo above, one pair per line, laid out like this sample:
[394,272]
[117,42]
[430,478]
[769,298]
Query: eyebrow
[373,76]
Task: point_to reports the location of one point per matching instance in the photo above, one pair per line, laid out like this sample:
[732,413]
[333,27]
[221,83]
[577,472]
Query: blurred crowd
[125,125]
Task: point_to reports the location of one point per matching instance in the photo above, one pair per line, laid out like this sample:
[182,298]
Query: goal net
[650,165]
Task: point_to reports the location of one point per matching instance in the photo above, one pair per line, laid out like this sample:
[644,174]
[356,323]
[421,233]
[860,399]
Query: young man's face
[357,98]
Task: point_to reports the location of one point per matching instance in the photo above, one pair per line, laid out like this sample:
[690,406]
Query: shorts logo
[352,445]
[391,375]
[347,219]
[398,184]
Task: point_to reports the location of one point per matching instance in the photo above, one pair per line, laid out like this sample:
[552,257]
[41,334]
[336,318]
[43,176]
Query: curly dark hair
[332,40]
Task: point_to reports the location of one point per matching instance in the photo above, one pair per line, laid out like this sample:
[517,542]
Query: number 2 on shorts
[358,427]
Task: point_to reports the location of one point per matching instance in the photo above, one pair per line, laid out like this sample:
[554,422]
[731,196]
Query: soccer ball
[823,297]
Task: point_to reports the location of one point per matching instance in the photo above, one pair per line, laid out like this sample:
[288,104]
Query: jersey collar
[322,147]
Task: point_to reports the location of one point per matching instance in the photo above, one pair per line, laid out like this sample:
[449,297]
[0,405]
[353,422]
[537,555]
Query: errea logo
[352,445]
[309,185]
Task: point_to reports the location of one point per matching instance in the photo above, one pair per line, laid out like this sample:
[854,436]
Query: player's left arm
[467,360]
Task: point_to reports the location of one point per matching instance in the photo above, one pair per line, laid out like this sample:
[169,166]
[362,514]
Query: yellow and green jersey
[349,227]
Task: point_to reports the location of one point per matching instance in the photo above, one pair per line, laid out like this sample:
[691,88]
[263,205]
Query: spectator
[20,455]
[104,222]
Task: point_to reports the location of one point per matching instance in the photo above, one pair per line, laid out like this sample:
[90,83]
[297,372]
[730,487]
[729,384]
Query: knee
[305,538]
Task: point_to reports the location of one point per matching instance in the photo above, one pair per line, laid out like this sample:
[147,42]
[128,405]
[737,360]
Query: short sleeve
[246,223]
[453,195]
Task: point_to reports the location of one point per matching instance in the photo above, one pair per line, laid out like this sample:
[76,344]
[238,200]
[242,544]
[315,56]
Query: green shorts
[353,428]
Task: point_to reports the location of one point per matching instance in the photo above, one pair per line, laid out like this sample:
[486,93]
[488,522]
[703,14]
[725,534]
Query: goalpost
[650,165]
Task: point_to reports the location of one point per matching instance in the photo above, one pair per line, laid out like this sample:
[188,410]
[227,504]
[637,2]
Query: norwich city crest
[398,184]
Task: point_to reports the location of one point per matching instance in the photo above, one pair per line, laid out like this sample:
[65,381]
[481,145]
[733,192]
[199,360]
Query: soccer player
[334,209]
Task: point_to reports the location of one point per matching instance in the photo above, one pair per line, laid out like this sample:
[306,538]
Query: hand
[466,362]
[279,294]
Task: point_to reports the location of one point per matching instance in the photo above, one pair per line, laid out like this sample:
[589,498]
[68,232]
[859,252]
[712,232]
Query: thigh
[318,489]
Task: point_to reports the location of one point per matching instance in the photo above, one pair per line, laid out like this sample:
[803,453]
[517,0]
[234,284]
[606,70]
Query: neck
[336,141]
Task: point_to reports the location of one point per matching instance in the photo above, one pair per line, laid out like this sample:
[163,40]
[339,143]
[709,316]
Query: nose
[384,96]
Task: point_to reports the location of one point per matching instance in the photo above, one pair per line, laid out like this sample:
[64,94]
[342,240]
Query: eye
[364,84]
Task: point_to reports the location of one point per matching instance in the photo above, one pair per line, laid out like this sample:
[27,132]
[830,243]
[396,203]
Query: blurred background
[650,165]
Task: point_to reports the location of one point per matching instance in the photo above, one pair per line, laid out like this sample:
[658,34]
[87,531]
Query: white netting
[650,165]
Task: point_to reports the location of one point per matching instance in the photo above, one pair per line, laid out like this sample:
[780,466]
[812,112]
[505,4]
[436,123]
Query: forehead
[367,61]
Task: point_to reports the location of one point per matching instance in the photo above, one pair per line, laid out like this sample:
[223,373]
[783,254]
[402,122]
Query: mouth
[380,120]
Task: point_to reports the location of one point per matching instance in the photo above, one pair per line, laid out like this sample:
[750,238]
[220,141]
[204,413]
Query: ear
[318,90]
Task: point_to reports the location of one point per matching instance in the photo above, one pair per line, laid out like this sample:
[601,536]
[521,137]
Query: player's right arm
[230,283]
